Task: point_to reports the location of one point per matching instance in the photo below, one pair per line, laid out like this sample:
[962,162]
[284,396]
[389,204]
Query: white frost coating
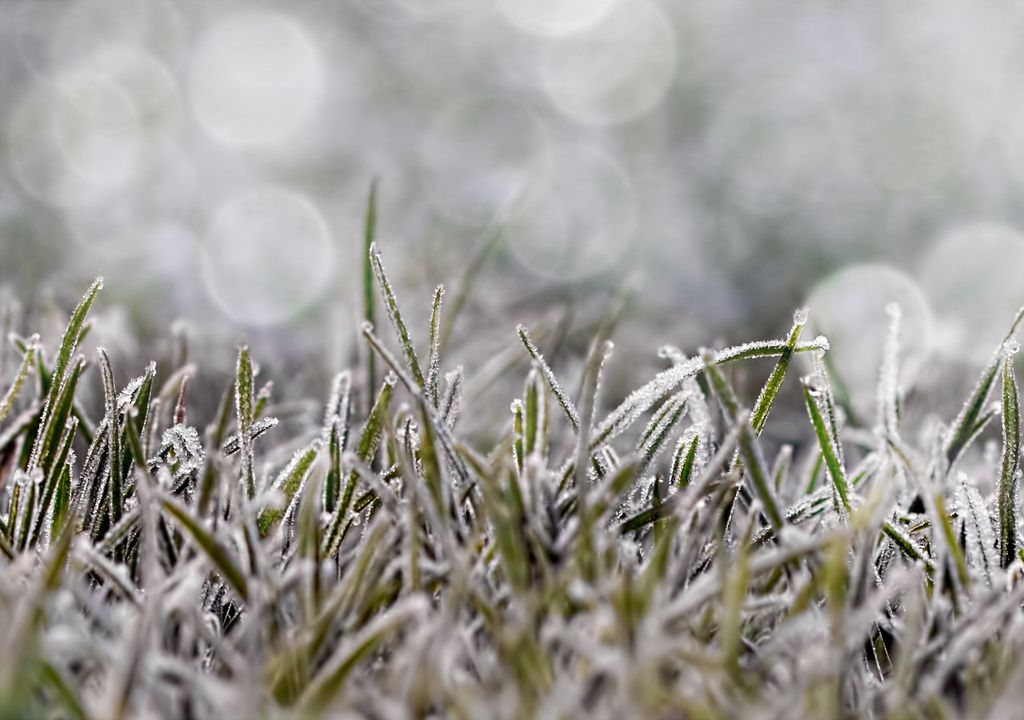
[549,375]
[800,316]
[127,395]
[1010,348]
[982,557]
[888,376]
[643,398]
[451,403]
[184,441]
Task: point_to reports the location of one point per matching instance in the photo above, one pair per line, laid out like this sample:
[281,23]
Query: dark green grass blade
[963,429]
[219,556]
[369,441]
[1009,476]
[115,490]
[827,443]
[757,471]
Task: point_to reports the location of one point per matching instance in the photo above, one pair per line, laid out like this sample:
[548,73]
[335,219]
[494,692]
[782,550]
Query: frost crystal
[800,316]
[1010,348]
[183,441]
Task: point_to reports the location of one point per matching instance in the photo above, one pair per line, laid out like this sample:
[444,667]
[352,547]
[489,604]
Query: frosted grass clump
[660,556]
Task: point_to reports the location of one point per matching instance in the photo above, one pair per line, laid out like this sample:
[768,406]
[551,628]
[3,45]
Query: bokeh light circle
[850,308]
[616,70]
[76,141]
[478,156]
[266,255]
[554,17]
[973,277]
[579,217]
[256,78]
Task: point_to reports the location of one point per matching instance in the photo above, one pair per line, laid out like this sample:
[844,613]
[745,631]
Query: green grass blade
[1009,472]
[963,429]
[434,360]
[771,388]
[244,410]
[395,314]
[826,441]
[289,483]
[115,490]
[556,388]
[218,555]
[27,360]
[369,300]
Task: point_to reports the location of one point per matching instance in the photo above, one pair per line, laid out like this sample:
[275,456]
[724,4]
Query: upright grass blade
[73,335]
[434,361]
[289,483]
[369,300]
[1009,471]
[757,471]
[826,441]
[765,400]
[28,358]
[369,441]
[588,395]
[114,483]
[244,411]
[965,426]
[397,322]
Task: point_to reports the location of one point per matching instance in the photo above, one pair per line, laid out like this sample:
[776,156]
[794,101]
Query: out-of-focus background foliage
[727,160]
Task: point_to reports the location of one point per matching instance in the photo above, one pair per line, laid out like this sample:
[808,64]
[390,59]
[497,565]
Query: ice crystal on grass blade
[381,557]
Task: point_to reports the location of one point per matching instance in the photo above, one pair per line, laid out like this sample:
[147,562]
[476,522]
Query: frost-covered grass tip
[651,559]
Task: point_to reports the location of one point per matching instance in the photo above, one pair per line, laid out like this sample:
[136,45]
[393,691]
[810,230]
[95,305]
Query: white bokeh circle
[256,78]
[554,17]
[478,156]
[850,308]
[616,70]
[266,255]
[579,218]
[973,277]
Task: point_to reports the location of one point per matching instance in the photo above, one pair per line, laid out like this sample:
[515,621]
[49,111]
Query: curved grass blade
[218,555]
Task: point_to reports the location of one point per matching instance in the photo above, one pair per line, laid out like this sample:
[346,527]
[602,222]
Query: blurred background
[726,161]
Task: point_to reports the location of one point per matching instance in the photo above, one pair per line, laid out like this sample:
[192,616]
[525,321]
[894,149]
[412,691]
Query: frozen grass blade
[1009,470]
[28,358]
[288,484]
[556,388]
[245,413]
[813,387]
[965,427]
[771,388]
[391,303]
[434,362]
[369,300]
[217,554]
